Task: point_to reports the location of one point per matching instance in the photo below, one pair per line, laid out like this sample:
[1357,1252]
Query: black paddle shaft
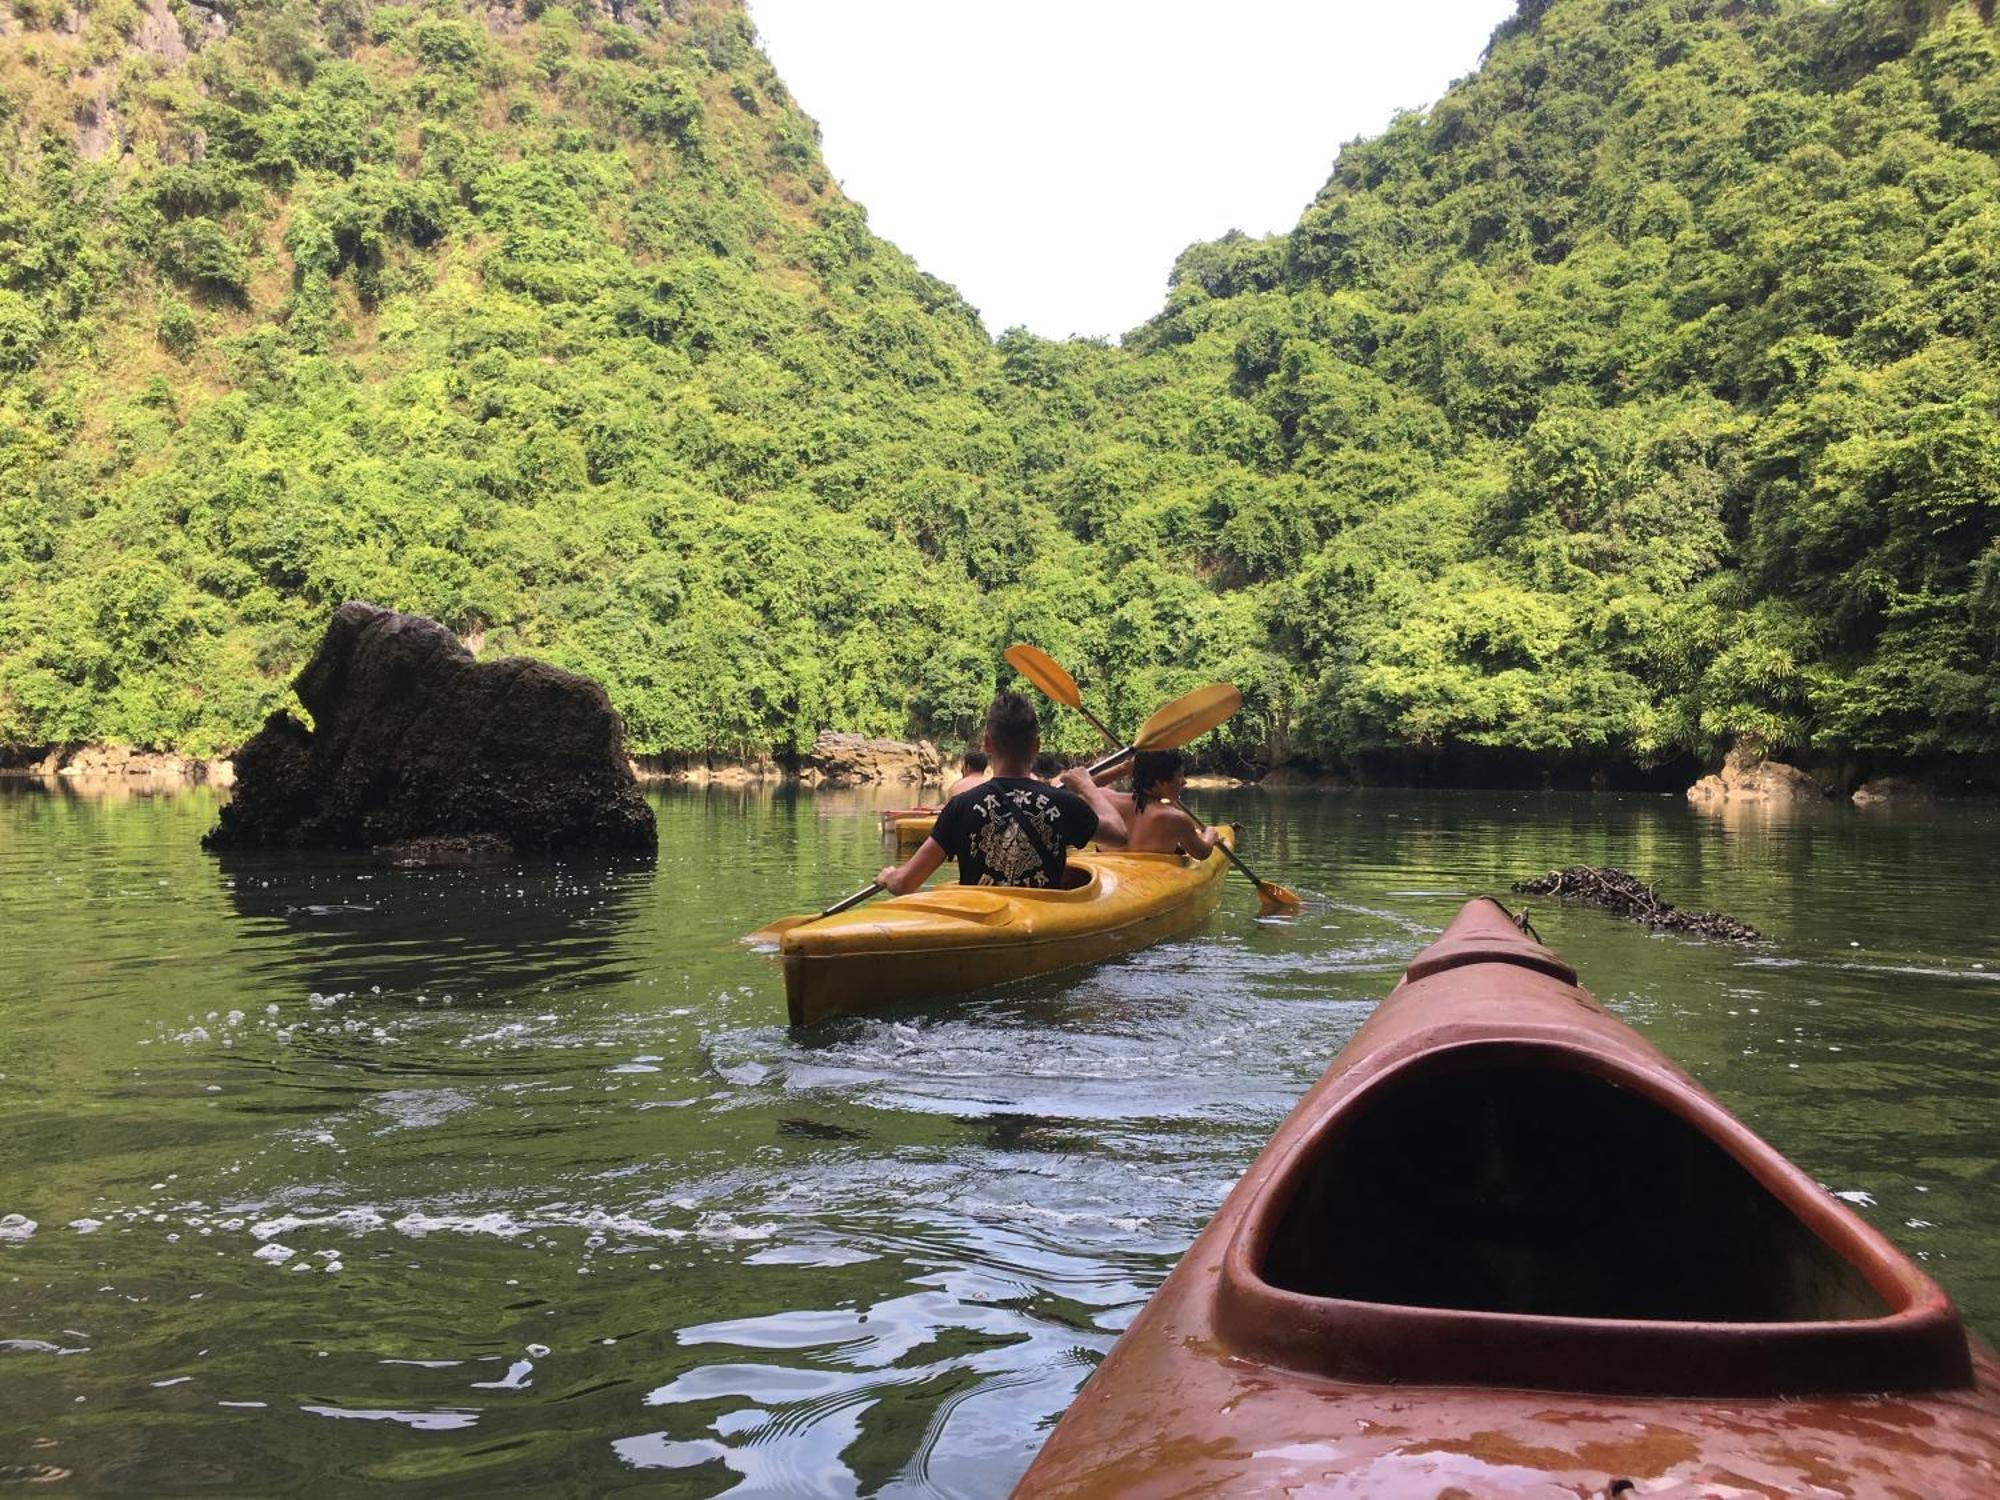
[849,901]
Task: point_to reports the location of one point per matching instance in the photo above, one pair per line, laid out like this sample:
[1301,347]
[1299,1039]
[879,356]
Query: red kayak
[1505,1247]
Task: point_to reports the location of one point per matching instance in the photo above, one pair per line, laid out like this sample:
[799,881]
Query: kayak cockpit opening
[1485,1180]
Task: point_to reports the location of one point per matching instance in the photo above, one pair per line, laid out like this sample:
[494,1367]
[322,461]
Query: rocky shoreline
[1743,780]
[87,763]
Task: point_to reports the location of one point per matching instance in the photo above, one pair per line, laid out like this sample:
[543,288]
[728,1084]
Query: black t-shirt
[1014,831]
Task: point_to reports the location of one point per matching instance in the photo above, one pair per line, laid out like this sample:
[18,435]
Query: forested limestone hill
[1639,398]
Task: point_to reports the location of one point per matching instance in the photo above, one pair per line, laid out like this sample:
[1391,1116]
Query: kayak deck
[1506,1246]
[949,939]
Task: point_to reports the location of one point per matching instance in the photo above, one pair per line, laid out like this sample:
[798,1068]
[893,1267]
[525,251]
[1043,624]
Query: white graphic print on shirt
[1010,854]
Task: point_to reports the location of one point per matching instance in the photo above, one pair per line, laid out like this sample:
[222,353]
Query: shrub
[177,331]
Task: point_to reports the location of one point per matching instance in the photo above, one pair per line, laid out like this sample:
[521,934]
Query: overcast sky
[1050,158]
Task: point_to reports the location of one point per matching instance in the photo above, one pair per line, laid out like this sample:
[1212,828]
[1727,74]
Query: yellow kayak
[947,939]
[910,830]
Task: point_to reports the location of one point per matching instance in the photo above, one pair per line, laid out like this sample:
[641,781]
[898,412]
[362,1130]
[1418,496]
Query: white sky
[1050,158]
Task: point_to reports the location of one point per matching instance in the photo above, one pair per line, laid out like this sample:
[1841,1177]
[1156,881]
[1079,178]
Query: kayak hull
[1505,1247]
[952,939]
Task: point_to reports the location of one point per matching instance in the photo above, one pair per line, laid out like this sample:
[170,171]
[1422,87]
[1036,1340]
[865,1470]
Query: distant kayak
[949,939]
[909,827]
[1505,1246]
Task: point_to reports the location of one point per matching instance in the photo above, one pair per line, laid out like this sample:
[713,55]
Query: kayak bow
[909,830]
[1496,1192]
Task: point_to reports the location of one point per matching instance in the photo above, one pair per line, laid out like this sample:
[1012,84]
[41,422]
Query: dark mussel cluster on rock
[1626,895]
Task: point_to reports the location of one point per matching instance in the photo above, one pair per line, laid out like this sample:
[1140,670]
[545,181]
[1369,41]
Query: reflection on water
[425,932]
[334,1175]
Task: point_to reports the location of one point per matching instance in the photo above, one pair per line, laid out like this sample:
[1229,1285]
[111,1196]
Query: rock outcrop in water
[853,760]
[415,740]
[1626,895]
[1891,789]
[1746,776]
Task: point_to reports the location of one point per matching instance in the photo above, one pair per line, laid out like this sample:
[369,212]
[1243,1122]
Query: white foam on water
[512,1031]
[17,1228]
[503,1225]
[356,1220]
[275,1254]
[722,1226]
[418,1108]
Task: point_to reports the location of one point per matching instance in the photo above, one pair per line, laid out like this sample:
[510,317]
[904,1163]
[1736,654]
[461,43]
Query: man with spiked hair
[1012,829]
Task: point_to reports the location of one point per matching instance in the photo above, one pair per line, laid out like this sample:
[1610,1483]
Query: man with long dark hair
[1155,821]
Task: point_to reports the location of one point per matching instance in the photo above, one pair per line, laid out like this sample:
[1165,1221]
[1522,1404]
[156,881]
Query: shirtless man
[1154,823]
[971,772]
[1011,829]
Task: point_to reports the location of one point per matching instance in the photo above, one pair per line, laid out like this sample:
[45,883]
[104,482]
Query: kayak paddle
[1047,674]
[1191,715]
[771,931]
[1188,717]
[1275,897]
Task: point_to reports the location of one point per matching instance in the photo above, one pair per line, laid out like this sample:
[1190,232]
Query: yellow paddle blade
[767,936]
[1276,898]
[1045,672]
[1188,717]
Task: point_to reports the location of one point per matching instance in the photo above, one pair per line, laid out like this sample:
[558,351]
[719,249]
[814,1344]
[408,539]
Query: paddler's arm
[1110,821]
[900,880]
[1189,835]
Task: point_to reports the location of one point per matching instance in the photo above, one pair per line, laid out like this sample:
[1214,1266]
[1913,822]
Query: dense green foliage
[1638,398]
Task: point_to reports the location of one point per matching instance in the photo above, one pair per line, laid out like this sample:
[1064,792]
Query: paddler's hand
[1078,780]
[910,875]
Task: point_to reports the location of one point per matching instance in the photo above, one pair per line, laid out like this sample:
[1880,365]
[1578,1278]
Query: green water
[514,1180]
